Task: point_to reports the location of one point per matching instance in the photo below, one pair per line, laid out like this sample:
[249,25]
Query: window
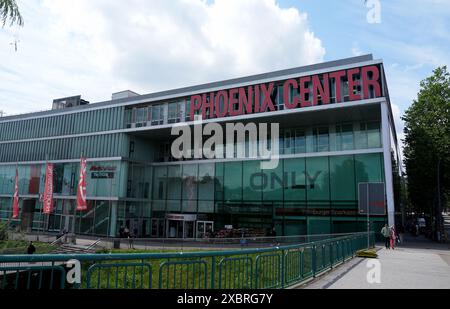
[174,112]
[141,115]
[345,137]
[300,141]
[321,139]
[187,110]
[157,115]
[287,142]
[373,135]
[369,135]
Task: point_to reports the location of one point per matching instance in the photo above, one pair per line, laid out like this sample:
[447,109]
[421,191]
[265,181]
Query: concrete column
[113,219]
[386,136]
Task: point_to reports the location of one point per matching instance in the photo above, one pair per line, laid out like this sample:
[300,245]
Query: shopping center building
[336,132]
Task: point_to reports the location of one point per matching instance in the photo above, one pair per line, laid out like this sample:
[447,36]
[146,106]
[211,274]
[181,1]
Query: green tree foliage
[427,143]
[9,10]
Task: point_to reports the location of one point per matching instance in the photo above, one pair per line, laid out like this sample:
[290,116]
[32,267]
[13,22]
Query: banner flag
[16,196]
[48,192]
[81,191]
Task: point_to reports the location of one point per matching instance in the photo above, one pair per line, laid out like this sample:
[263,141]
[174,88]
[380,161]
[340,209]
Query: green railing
[260,268]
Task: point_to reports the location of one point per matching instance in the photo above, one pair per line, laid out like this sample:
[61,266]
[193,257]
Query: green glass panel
[317,179]
[206,182]
[233,181]
[174,179]
[342,178]
[296,184]
[369,168]
[190,181]
[252,181]
[275,181]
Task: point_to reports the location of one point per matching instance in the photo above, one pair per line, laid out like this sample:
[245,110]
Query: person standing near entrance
[385,231]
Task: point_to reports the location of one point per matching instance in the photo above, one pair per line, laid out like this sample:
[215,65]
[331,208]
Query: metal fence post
[314,261]
[331,255]
[213,273]
[283,264]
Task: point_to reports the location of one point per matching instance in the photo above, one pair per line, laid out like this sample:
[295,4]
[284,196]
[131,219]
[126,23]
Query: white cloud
[98,47]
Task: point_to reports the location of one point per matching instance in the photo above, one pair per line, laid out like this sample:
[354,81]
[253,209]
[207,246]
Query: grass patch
[240,271]
[20,247]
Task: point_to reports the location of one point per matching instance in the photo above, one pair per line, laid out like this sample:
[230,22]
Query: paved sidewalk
[403,268]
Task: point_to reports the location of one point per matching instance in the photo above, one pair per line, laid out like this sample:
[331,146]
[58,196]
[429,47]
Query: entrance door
[204,228]
[158,228]
[180,229]
[188,229]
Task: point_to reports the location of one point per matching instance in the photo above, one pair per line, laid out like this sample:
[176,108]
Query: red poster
[81,191]
[16,196]
[48,193]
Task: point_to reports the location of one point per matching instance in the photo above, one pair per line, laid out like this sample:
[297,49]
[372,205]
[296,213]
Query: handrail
[58,240]
[93,245]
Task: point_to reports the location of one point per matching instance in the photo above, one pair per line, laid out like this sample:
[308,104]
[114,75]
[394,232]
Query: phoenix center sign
[320,89]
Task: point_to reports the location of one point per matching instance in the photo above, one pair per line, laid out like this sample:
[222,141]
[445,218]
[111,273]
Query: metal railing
[249,268]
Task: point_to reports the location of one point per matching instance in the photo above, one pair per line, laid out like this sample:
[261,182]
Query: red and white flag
[48,192]
[81,191]
[16,196]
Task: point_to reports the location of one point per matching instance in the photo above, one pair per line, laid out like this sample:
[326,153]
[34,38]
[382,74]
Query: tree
[427,146]
[9,10]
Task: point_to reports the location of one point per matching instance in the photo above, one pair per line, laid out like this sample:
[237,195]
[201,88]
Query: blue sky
[95,47]
[413,38]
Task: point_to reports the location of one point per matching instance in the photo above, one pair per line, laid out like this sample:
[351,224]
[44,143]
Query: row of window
[341,137]
[66,124]
[97,146]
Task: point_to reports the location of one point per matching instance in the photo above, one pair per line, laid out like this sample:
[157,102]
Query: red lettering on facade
[267,94]
[353,85]
[304,91]
[288,85]
[208,106]
[196,104]
[373,82]
[321,91]
[246,100]
[337,76]
[235,103]
[222,104]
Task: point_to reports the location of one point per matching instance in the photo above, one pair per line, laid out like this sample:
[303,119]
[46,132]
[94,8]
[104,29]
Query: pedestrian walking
[131,240]
[386,234]
[393,237]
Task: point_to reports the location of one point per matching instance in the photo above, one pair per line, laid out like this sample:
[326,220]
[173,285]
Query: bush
[3,231]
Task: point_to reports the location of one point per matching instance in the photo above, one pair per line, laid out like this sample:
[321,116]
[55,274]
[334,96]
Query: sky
[98,47]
